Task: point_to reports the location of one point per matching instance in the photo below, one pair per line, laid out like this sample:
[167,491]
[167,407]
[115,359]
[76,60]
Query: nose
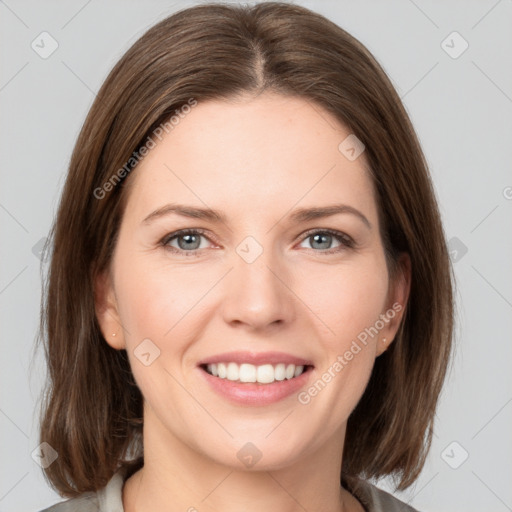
[258,294]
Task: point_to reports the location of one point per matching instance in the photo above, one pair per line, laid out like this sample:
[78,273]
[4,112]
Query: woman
[249,303]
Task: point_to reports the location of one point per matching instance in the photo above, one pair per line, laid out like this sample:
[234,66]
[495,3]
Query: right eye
[188,241]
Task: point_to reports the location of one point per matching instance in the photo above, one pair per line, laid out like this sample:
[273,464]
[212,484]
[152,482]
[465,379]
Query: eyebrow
[298,215]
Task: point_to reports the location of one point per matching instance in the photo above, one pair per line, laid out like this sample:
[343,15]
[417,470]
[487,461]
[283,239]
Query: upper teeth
[245,372]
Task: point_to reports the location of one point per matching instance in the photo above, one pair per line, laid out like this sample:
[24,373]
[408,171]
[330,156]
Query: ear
[396,303]
[105,304]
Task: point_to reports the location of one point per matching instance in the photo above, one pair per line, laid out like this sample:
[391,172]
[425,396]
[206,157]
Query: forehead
[253,154]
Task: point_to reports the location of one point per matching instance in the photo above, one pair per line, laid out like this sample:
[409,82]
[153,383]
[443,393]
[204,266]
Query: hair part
[92,409]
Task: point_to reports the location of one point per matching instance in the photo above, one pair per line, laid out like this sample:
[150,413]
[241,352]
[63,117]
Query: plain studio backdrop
[450,62]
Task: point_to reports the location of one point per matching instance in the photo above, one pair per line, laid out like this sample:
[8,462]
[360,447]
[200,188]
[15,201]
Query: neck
[176,477]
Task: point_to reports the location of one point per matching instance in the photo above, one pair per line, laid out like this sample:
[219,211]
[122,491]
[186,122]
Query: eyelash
[345,241]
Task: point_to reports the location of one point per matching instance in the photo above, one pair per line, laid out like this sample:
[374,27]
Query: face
[261,283]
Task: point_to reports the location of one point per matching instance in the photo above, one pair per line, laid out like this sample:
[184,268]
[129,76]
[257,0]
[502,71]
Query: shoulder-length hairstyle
[91,412]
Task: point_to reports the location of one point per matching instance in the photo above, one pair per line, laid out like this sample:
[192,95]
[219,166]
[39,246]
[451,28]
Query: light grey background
[462,110]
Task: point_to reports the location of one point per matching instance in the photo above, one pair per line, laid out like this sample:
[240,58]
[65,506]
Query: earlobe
[106,311]
[382,346]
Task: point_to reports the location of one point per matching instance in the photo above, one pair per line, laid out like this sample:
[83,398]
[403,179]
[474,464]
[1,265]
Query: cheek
[346,299]
[153,299]
[158,303]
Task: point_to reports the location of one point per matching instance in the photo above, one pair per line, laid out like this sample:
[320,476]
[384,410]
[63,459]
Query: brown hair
[92,408]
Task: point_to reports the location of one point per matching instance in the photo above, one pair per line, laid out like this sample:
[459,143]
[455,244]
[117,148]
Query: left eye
[324,239]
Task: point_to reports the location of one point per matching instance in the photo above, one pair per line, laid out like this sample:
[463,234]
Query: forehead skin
[254,158]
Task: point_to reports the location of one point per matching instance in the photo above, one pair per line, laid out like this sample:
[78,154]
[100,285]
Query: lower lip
[250,393]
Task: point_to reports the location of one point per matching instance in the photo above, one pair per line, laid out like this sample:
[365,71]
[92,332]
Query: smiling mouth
[260,374]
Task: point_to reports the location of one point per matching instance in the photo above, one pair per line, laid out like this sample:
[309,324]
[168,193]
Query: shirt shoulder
[108,499]
[84,503]
[375,499]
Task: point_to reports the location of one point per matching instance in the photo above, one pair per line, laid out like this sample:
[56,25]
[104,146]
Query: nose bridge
[257,294]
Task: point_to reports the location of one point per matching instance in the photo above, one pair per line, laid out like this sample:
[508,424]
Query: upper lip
[255,358]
